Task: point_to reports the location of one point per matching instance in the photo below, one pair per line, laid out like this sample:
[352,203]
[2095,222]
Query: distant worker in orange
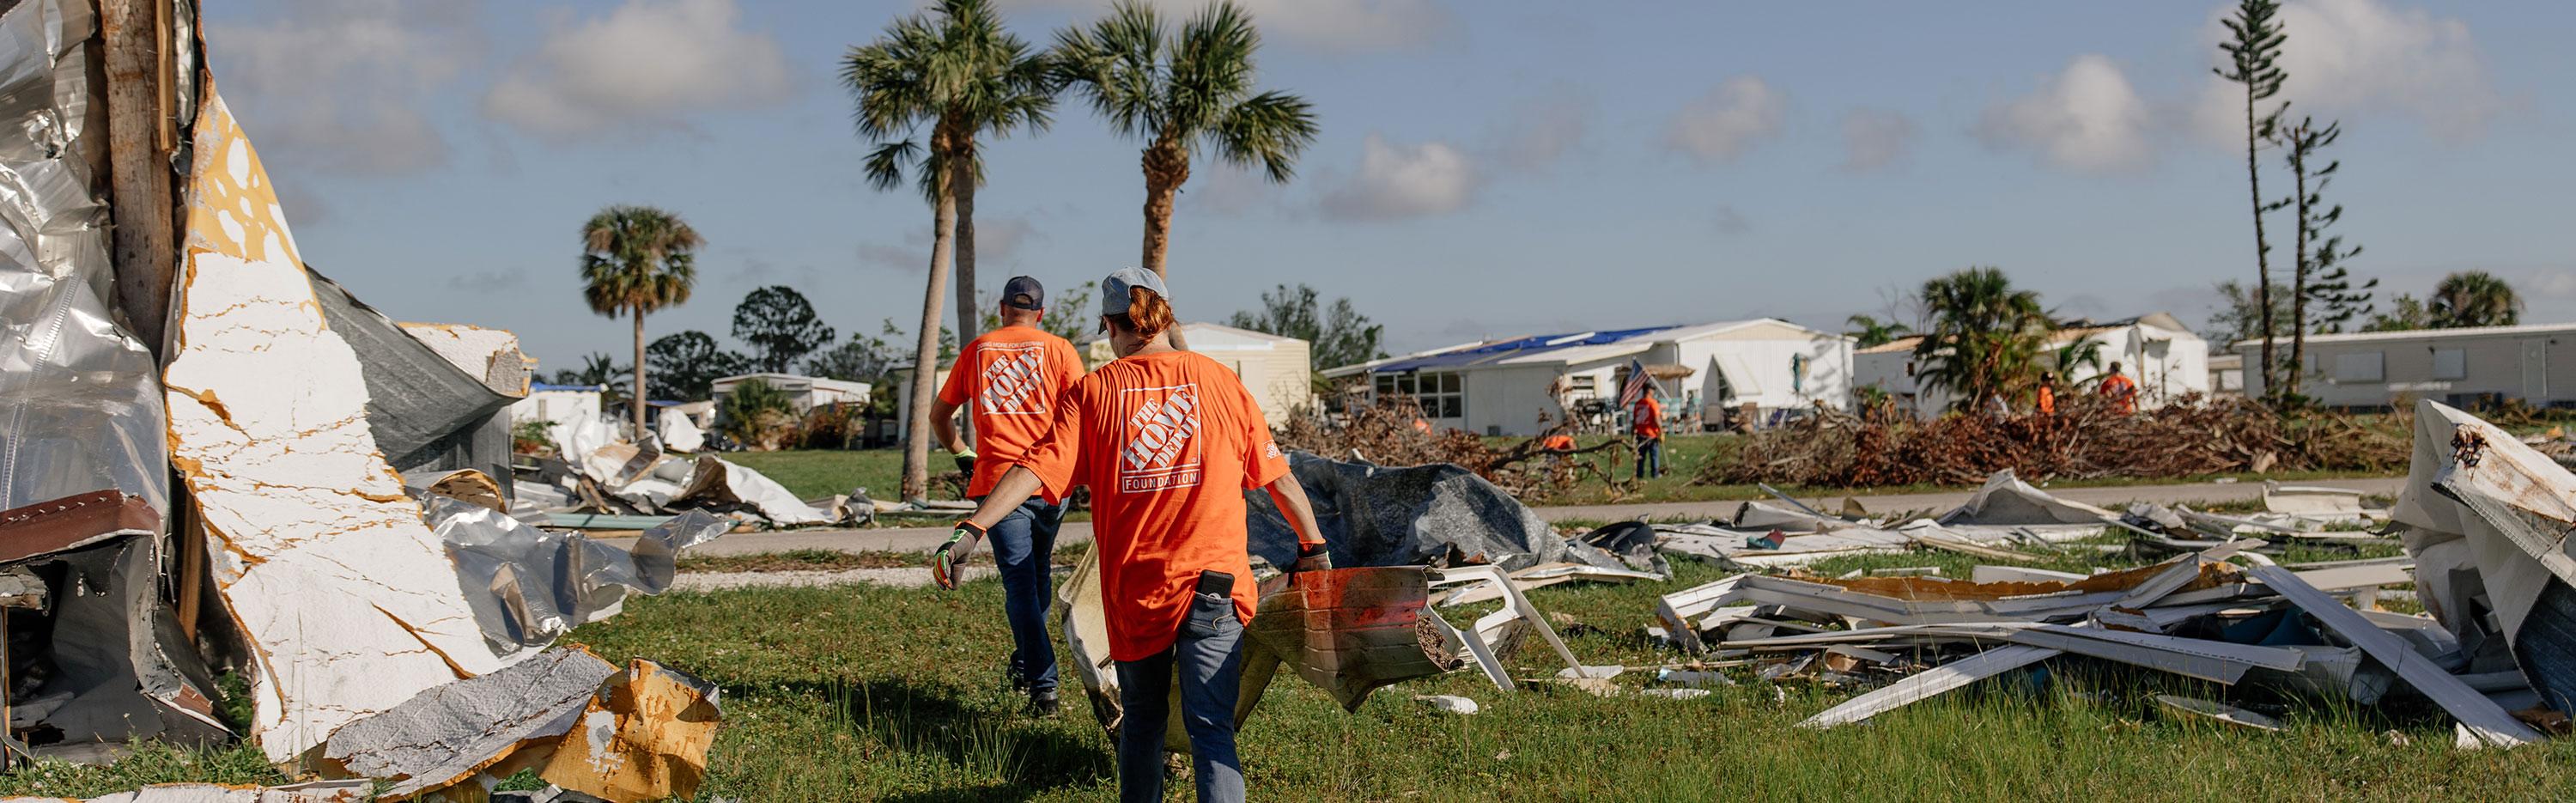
[2119,391]
[1647,422]
[1013,375]
[2046,404]
[1168,441]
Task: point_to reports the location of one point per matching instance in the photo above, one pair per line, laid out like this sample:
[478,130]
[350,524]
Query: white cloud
[1875,138]
[1402,181]
[649,63]
[339,85]
[1729,120]
[1347,25]
[2086,118]
[2359,57]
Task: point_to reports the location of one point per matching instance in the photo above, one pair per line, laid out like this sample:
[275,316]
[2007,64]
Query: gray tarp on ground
[80,398]
[1438,515]
[427,415]
[527,586]
[2006,499]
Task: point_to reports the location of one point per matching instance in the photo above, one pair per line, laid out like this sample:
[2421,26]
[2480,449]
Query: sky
[1485,169]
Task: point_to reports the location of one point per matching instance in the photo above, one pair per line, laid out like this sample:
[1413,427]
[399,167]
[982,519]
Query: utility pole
[140,138]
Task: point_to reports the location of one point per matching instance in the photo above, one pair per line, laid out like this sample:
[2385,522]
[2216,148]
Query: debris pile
[2483,519]
[337,535]
[1390,431]
[2087,438]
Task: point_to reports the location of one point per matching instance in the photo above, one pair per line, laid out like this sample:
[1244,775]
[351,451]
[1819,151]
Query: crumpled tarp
[1428,515]
[528,586]
[80,399]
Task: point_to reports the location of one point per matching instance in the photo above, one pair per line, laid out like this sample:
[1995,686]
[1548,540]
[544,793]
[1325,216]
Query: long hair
[1147,314]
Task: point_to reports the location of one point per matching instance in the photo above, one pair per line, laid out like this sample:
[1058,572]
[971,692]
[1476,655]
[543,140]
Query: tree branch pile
[1389,432]
[2086,439]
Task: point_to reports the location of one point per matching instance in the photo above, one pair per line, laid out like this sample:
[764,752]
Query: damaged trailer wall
[428,416]
[79,408]
[348,598]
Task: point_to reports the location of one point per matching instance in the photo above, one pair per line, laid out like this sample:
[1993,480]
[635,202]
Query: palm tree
[1871,331]
[635,260]
[1986,337]
[948,75]
[2473,298]
[1181,89]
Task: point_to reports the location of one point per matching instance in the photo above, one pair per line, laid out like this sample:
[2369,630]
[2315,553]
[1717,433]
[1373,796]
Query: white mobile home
[806,392]
[1275,368]
[2156,351]
[2460,367]
[556,405]
[1522,385]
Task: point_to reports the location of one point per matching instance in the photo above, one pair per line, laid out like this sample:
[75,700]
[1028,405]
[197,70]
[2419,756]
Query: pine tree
[2253,51]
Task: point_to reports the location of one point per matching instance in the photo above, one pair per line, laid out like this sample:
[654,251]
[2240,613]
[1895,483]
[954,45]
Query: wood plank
[145,240]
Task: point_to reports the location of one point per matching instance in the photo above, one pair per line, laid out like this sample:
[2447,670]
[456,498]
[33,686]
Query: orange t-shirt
[1013,374]
[1649,418]
[2047,400]
[1168,442]
[2122,392]
[1559,442]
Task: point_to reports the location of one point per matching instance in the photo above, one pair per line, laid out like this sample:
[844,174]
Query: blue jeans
[1211,673]
[1024,549]
[1650,458]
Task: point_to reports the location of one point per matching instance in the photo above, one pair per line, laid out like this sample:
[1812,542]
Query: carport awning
[1739,376]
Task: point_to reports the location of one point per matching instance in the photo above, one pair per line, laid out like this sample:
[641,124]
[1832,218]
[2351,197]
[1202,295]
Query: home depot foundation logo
[1162,446]
[1012,379]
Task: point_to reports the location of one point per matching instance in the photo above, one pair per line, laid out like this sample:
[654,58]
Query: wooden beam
[144,247]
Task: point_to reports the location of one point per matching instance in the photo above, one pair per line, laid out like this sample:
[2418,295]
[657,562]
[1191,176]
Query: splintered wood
[346,594]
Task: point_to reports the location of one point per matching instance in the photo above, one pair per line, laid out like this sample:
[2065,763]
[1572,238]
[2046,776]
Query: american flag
[1638,382]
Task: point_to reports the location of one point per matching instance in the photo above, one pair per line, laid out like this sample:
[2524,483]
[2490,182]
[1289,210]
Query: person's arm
[943,426]
[1299,510]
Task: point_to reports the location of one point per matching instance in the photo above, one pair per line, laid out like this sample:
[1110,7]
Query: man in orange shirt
[1168,441]
[1647,422]
[2046,403]
[2122,393]
[1013,375]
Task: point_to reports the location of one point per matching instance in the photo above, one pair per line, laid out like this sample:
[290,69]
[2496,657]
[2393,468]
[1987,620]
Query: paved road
[925,539]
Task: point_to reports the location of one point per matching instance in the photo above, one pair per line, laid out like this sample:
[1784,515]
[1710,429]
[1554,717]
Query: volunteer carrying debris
[1168,441]
[1013,375]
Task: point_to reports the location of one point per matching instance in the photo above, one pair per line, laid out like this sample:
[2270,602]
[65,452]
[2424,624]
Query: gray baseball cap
[1113,290]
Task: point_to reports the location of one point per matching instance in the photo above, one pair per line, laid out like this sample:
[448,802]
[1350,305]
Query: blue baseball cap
[1024,292]
[1113,290]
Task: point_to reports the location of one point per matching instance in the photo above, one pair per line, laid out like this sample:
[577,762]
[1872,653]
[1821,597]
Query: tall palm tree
[1986,337]
[636,260]
[2473,298]
[946,75]
[1179,89]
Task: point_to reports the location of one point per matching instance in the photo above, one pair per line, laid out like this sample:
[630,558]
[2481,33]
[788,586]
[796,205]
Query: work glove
[966,462]
[1312,558]
[944,563]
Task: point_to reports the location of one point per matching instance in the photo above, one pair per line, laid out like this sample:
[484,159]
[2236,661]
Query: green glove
[944,563]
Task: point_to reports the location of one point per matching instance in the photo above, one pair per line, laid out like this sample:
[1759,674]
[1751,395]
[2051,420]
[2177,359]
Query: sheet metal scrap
[80,401]
[327,568]
[644,736]
[446,735]
[528,585]
[1348,631]
[2487,523]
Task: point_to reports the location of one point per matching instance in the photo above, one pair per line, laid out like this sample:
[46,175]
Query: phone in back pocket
[1211,606]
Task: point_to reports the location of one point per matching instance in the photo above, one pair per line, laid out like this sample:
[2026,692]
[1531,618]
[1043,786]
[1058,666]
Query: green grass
[868,693]
[813,473]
